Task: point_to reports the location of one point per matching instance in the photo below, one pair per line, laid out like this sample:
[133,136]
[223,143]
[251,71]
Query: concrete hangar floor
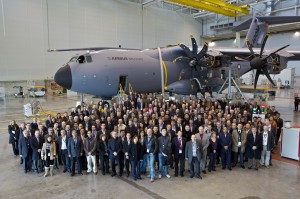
[282,180]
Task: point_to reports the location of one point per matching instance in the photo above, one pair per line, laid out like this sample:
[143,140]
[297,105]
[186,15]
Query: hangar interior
[30,28]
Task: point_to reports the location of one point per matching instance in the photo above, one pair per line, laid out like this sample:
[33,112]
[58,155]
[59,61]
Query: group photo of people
[148,138]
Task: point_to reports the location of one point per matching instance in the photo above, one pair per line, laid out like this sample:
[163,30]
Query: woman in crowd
[212,150]
[48,155]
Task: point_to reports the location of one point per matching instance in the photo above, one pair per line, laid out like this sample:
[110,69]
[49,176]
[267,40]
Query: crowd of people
[156,134]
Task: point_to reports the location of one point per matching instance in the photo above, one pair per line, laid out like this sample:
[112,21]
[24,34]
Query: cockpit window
[89,59]
[81,59]
[73,59]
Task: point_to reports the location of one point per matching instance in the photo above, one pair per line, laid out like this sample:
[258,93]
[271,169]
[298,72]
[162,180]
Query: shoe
[96,173]
[234,165]
[223,168]
[127,175]
[214,169]
[65,170]
[243,166]
[191,176]
[198,176]
[134,179]
[87,173]
[271,164]
[176,174]
[249,167]
[168,176]
[256,169]
[120,175]
[112,175]
[209,170]
[229,169]
[182,175]
[80,174]
[25,171]
[159,176]
[204,171]
[268,167]
[152,180]
[72,174]
[139,178]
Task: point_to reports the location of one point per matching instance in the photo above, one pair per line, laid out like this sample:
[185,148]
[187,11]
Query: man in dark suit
[25,151]
[13,131]
[63,150]
[279,127]
[226,142]
[164,153]
[193,153]
[75,151]
[131,128]
[115,147]
[36,143]
[126,144]
[254,148]
[178,148]
[272,129]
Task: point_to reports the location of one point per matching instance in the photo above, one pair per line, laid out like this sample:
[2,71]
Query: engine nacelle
[183,87]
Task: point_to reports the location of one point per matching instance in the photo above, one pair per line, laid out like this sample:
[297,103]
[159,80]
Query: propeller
[192,56]
[260,63]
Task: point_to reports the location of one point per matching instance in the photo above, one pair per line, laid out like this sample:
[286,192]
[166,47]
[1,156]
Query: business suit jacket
[151,143]
[176,146]
[114,145]
[225,141]
[90,147]
[251,142]
[135,152]
[204,143]
[23,149]
[102,149]
[35,145]
[75,150]
[125,145]
[235,136]
[165,147]
[189,151]
[59,142]
[13,137]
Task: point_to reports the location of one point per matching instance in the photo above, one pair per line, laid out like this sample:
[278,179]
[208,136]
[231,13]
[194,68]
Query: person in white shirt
[267,144]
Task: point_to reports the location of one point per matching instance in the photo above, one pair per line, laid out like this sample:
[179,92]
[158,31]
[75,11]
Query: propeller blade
[195,46]
[273,53]
[181,59]
[265,70]
[203,51]
[256,78]
[263,45]
[186,50]
[249,46]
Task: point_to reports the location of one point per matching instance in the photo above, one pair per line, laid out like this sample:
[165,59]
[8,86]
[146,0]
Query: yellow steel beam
[228,6]
[204,6]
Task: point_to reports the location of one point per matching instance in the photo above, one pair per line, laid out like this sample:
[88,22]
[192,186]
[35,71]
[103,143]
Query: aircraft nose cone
[63,77]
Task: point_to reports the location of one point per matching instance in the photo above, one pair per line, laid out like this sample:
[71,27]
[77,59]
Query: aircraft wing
[292,55]
[88,49]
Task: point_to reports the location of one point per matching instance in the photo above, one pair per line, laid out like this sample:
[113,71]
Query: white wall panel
[80,23]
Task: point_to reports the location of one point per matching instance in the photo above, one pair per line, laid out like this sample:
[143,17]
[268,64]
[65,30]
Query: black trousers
[121,163]
[127,163]
[180,160]
[79,165]
[27,163]
[104,164]
[15,147]
[65,159]
[113,160]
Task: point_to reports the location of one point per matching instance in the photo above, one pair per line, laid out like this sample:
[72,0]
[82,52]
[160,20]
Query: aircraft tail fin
[258,27]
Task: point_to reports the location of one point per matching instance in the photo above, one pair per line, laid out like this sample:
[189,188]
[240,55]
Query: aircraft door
[122,83]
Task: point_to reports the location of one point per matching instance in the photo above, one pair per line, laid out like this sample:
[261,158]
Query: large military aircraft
[178,68]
